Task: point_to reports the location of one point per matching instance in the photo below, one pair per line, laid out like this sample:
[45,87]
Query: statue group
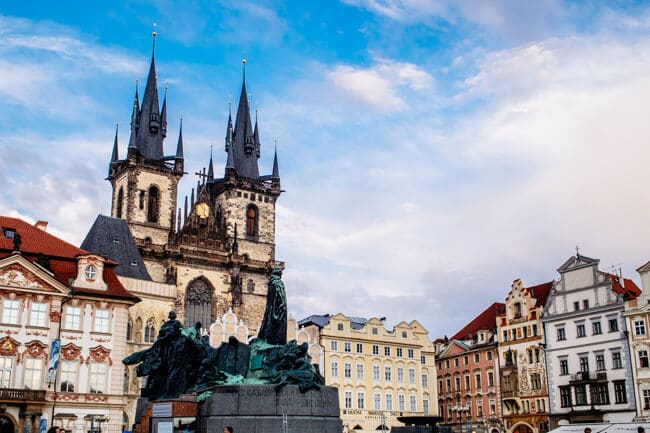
[182,361]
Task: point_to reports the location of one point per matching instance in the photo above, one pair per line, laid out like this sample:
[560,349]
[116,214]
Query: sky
[432,151]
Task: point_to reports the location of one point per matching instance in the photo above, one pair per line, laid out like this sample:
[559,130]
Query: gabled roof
[111,238]
[626,287]
[486,320]
[576,262]
[59,257]
[541,292]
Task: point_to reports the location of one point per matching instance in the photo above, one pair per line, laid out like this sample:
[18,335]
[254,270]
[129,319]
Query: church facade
[218,249]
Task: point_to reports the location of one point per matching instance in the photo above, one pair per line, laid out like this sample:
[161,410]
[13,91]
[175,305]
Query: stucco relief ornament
[17,278]
[55,316]
[8,346]
[36,349]
[70,352]
[100,354]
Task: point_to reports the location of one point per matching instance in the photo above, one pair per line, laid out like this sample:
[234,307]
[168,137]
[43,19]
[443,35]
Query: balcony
[22,394]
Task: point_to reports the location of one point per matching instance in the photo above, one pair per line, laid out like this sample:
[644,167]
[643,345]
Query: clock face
[202,210]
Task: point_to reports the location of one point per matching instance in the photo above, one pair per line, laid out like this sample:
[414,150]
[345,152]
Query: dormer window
[8,233]
[90,272]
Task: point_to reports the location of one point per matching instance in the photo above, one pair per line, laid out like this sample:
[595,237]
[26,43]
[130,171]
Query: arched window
[129,330]
[198,304]
[150,331]
[251,220]
[120,199]
[138,330]
[153,204]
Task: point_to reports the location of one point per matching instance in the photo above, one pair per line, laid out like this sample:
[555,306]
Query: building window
[576,305]
[386,351]
[38,314]
[423,359]
[347,347]
[616,360]
[505,335]
[581,395]
[6,366]
[490,378]
[517,314]
[455,362]
[410,353]
[359,347]
[10,308]
[595,326]
[489,356]
[613,325]
[375,349]
[101,321]
[447,363]
[150,331]
[251,220]
[457,380]
[387,374]
[400,375]
[477,378]
[72,318]
[525,329]
[120,199]
[585,304]
[33,373]
[413,403]
[376,401]
[535,330]
[466,359]
[339,326]
[646,399]
[425,381]
[620,395]
[399,352]
[536,381]
[389,402]
[359,371]
[153,204]
[129,330]
[600,362]
[584,364]
[404,334]
[97,378]
[90,272]
[467,382]
[561,336]
[580,330]
[375,372]
[347,370]
[412,376]
[68,375]
[639,327]
[425,407]
[361,400]
[375,331]
[334,346]
[599,393]
[448,385]
[401,403]
[477,358]
[565,396]
[348,399]
[643,358]
[564,367]
[334,367]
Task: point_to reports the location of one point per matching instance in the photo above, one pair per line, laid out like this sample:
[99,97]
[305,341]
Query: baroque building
[381,374]
[587,351]
[62,325]
[468,376]
[520,332]
[219,248]
[637,317]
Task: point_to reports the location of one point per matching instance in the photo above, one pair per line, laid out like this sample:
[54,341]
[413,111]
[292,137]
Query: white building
[587,352]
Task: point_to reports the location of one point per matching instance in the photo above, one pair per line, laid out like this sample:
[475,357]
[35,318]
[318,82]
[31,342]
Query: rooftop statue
[180,361]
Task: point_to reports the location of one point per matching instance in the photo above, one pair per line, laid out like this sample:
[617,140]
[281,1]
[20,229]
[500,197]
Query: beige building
[381,374]
[637,318]
[520,333]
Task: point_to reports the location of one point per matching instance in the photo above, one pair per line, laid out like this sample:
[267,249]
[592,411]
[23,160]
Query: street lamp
[460,410]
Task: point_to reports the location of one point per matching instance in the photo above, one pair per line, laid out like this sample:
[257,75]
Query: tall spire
[163,116]
[210,168]
[276,171]
[114,156]
[256,136]
[229,130]
[149,140]
[135,117]
[179,146]
[230,161]
[244,152]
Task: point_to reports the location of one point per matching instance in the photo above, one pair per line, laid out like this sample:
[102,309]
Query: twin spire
[149,129]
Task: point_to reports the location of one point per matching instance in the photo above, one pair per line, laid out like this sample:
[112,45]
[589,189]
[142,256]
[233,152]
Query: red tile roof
[541,292]
[629,289]
[61,255]
[484,321]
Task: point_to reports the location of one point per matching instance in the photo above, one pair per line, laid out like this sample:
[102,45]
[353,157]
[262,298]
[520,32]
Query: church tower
[145,182]
[219,247]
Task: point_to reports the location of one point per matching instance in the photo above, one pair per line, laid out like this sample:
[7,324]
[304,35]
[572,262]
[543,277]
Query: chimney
[40,224]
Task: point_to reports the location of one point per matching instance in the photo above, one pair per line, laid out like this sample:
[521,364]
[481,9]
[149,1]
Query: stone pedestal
[262,409]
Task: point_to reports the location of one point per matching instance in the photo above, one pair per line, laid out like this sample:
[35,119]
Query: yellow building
[380,374]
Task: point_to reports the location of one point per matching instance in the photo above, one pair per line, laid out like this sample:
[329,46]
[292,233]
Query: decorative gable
[18,272]
[90,272]
[16,276]
[577,262]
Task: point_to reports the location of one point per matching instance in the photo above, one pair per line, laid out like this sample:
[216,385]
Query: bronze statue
[274,324]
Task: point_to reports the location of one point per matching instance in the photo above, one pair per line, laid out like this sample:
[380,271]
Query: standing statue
[274,324]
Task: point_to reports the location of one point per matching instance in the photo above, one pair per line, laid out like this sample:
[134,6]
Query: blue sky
[431,151]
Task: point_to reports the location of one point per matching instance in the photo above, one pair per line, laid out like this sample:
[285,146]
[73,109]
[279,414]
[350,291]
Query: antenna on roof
[577,251]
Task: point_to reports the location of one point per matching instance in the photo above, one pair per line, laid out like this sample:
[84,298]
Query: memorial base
[263,409]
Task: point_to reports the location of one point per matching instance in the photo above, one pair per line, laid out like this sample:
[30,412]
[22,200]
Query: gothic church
[219,248]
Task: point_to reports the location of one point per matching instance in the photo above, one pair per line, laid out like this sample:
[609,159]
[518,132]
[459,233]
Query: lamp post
[460,410]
